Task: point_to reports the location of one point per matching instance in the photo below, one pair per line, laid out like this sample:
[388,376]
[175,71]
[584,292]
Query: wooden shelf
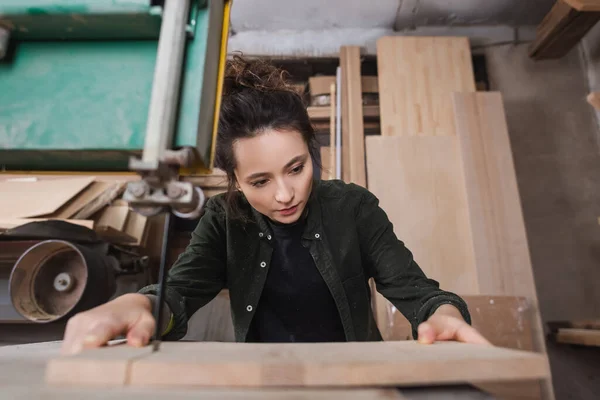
[320,113]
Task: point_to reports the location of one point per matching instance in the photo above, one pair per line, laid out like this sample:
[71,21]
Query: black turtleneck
[296,304]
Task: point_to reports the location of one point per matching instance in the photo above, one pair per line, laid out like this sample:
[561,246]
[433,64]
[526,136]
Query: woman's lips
[289,211]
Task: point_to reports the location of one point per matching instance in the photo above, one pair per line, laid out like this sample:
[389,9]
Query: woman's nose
[284,194]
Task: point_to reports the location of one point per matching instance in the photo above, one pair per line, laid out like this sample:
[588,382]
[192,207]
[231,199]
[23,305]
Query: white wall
[317,28]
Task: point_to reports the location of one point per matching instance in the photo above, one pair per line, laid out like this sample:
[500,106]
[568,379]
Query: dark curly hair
[257,97]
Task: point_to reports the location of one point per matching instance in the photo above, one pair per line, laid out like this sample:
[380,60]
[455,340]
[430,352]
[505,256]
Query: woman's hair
[256,98]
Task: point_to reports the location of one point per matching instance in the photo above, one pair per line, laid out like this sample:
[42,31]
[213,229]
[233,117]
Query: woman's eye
[298,169]
[259,183]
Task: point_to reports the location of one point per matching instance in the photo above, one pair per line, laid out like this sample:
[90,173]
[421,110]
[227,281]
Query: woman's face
[274,171]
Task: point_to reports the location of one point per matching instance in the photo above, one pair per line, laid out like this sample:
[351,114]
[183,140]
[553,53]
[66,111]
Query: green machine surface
[76,82]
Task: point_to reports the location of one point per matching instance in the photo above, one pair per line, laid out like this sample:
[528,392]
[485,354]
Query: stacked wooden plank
[579,332]
[83,200]
[443,171]
[563,27]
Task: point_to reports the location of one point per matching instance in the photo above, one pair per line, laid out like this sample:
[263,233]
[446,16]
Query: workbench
[22,369]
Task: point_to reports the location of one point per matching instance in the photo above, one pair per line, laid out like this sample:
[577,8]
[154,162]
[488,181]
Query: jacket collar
[312,230]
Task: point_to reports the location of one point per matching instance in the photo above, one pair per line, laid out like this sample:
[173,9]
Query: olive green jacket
[350,239]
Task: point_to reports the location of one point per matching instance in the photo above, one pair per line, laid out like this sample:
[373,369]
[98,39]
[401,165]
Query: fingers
[441,328]
[96,327]
[426,333]
[141,331]
[468,334]
[85,331]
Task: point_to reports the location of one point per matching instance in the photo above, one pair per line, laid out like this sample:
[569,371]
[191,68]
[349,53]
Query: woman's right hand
[129,314]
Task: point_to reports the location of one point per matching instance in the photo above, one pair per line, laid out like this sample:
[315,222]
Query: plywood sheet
[326,170]
[420,185]
[107,366]
[9,223]
[503,320]
[199,364]
[353,131]
[89,194]
[584,5]
[24,199]
[583,337]
[500,239]
[416,78]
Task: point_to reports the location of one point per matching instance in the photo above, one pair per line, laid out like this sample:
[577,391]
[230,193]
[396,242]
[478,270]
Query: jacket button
[261,234]
[263,264]
[269,237]
[317,235]
[249,308]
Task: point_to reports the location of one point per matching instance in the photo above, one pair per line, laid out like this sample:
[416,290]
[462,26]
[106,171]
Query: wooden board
[500,239]
[321,113]
[504,320]
[89,194]
[584,5]
[499,235]
[576,324]
[107,366]
[561,29]
[9,223]
[353,132]
[19,199]
[416,78]
[326,162]
[420,185]
[113,216]
[583,337]
[230,365]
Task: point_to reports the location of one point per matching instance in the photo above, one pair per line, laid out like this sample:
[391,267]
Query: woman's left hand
[446,323]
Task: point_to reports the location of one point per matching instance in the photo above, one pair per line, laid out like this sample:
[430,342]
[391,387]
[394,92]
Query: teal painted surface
[191,83]
[70,6]
[88,101]
[92,19]
[74,95]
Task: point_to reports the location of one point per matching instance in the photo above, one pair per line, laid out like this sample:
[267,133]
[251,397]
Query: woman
[295,253]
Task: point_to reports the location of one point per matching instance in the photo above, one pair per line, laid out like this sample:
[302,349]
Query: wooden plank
[353,133]
[560,30]
[332,132]
[500,239]
[504,320]
[326,163]
[301,364]
[110,366]
[576,324]
[525,390]
[24,199]
[106,198]
[416,78]
[320,113]
[351,82]
[136,227]
[499,236]
[584,5]
[89,194]
[583,337]
[110,393]
[427,204]
[9,223]
[114,217]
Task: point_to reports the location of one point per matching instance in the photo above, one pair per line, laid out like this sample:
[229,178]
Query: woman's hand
[446,323]
[129,314]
